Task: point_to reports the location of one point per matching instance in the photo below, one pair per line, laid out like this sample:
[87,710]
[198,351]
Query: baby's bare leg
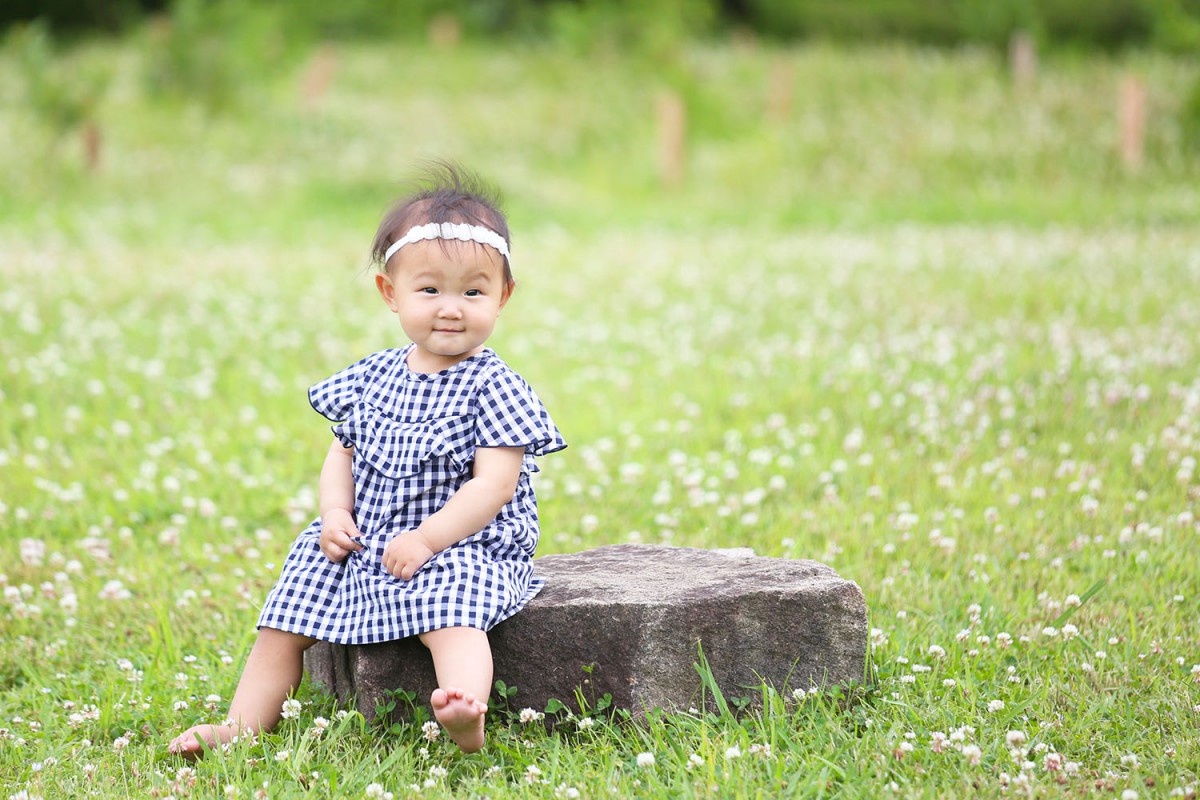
[273,671]
[462,659]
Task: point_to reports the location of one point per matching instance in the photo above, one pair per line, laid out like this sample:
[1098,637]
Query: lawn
[900,315]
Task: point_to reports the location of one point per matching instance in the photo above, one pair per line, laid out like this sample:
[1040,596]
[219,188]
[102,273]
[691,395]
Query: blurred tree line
[1108,24]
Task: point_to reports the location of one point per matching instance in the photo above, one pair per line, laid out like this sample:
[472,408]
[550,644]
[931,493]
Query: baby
[428,519]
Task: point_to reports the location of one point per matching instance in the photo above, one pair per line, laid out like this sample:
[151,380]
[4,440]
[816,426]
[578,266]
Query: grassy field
[905,318]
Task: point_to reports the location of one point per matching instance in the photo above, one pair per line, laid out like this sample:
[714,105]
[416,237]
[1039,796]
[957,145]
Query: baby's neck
[424,362]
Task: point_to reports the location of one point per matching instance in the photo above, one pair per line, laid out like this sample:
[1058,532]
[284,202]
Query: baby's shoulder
[492,368]
[381,365]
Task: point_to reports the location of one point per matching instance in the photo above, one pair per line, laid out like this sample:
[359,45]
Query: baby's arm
[473,506]
[337,504]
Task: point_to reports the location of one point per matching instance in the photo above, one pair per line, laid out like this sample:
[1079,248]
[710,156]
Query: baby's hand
[338,534]
[405,554]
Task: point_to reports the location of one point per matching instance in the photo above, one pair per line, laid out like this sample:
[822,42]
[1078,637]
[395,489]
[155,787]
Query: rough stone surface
[625,620]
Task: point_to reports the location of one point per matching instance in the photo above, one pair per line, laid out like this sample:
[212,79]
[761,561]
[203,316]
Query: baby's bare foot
[188,744]
[461,715]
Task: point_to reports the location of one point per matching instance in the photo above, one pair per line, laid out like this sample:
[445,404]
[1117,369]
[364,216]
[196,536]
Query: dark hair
[445,192]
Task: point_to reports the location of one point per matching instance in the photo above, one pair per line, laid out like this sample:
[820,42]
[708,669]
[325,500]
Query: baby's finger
[333,552]
[346,541]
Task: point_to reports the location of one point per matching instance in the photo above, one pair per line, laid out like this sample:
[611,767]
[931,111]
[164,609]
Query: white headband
[450,230]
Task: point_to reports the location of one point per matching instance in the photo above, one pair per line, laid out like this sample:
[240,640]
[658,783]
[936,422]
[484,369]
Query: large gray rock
[625,620]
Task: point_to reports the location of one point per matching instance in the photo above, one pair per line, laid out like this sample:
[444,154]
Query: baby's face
[447,295]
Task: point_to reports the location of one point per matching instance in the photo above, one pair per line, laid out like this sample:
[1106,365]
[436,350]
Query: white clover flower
[529,715]
[291,708]
[33,552]
[115,590]
[438,772]
[375,791]
[694,760]
[533,774]
[431,730]
[283,755]
[733,752]
[995,705]
[645,760]
[585,722]
[764,750]
[1052,762]
[1015,738]
[973,754]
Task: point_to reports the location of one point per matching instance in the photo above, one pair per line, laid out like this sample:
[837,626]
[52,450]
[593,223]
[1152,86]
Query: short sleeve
[335,397]
[509,414]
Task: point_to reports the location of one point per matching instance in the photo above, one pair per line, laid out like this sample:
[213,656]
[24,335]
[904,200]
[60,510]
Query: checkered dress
[414,437]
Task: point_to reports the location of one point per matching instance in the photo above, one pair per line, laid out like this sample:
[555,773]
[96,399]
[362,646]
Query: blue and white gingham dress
[414,437]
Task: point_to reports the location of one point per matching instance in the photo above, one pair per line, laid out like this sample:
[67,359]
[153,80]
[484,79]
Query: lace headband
[450,230]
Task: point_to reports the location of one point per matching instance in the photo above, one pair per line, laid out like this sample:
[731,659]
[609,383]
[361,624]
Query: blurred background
[1100,23]
[149,118]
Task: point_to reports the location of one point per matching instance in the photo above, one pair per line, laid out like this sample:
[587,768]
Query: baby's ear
[509,288]
[383,282]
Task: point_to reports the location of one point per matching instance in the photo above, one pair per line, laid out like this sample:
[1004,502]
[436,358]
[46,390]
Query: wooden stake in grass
[672,137]
[445,30]
[1131,114]
[779,91]
[319,75]
[91,145]
[1022,59]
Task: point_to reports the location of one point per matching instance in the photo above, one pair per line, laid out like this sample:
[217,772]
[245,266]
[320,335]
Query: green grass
[921,326]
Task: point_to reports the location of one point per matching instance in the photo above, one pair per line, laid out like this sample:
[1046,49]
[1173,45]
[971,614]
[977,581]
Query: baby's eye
[429,290]
[473,293]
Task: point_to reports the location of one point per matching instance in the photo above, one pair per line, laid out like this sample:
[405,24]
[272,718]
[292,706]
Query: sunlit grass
[985,415]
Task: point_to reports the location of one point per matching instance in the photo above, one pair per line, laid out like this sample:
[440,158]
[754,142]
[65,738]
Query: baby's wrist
[425,540]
